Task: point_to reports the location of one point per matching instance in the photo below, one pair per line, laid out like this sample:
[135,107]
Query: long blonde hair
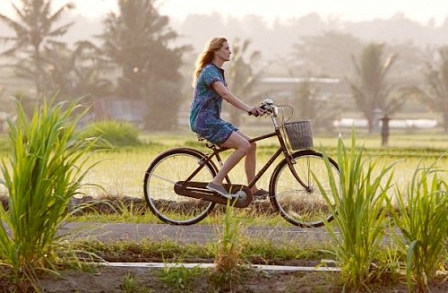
[207,55]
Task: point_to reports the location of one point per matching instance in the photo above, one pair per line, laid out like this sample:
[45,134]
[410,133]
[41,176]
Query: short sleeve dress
[205,111]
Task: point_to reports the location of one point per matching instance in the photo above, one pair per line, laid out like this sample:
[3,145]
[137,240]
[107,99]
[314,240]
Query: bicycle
[175,182]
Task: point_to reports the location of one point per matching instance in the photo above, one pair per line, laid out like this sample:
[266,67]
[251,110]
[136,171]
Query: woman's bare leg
[242,147]
[250,162]
[240,142]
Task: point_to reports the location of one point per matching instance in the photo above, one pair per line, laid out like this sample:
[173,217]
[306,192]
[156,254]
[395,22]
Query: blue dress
[205,111]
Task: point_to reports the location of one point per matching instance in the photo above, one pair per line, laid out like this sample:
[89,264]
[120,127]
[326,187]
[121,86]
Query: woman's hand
[256,111]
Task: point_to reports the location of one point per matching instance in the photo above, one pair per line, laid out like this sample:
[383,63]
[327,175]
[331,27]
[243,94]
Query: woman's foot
[219,189]
[260,194]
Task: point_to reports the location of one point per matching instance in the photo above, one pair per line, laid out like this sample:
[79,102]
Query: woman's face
[224,52]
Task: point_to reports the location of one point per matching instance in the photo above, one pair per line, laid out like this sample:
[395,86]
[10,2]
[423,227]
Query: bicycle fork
[291,162]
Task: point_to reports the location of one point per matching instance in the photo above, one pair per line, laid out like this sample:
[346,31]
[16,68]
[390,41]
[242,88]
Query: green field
[120,172]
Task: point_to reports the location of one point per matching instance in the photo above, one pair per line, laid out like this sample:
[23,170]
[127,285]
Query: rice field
[120,172]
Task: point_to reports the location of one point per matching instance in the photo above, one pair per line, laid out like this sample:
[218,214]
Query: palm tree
[370,91]
[76,72]
[34,30]
[326,54]
[437,83]
[241,76]
[311,105]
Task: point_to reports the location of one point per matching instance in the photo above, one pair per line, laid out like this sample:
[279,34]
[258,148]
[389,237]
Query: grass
[254,251]
[45,170]
[406,151]
[228,251]
[133,161]
[360,218]
[181,279]
[421,218]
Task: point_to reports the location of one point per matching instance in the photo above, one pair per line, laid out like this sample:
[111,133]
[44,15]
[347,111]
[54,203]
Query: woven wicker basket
[299,134]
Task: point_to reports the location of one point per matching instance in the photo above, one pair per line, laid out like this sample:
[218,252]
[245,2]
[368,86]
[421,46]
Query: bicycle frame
[216,150]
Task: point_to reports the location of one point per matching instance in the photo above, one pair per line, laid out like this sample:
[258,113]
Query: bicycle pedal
[260,198]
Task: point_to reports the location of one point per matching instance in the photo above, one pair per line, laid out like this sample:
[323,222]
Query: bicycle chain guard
[198,190]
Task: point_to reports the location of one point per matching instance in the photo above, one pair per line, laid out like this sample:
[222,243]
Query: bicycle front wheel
[167,169]
[303,205]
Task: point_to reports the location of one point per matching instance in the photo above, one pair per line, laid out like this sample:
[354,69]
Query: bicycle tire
[158,185]
[296,204]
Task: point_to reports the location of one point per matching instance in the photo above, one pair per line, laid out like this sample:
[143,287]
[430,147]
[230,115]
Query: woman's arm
[224,92]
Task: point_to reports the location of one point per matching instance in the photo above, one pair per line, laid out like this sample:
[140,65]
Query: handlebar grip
[267,108]
[250,114]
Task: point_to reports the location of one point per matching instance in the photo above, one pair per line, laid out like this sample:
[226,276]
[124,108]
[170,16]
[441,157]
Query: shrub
[115,133]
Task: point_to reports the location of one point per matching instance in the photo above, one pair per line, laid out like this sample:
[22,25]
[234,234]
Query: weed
[228,251]
[360,216]
[422,221]
[128,284]
[181,279]
[44,172]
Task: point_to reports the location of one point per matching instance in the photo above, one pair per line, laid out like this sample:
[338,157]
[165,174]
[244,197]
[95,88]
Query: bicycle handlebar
[273,110]
[269,108]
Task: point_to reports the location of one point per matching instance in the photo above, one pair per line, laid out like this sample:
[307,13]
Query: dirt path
[196,234]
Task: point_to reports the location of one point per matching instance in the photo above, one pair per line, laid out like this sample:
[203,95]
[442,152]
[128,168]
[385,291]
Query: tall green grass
[421,217]
[358,202]
[229,251]
[45,170]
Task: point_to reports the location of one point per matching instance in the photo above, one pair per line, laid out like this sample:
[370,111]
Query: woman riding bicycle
[210,89]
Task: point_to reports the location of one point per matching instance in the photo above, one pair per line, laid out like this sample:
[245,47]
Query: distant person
[385,130]
[210,89]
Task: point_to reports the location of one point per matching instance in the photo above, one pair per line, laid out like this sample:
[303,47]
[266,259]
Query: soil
[112,280]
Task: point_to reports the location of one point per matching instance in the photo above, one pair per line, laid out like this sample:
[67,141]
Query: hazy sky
[354,10]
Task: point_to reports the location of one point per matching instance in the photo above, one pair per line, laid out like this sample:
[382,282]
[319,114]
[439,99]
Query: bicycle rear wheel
[158,186]
[303,206]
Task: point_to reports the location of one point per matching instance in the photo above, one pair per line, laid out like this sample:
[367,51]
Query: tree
[34,31]
[370,90]
[327,54]
[313,106]
[436,95]
[76,73]
[137,40]
[241,76]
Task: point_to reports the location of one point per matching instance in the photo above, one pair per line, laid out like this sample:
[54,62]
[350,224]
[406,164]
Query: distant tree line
[134,59]
[138,55]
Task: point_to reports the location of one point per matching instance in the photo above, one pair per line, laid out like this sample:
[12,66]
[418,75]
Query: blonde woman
[210,89]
